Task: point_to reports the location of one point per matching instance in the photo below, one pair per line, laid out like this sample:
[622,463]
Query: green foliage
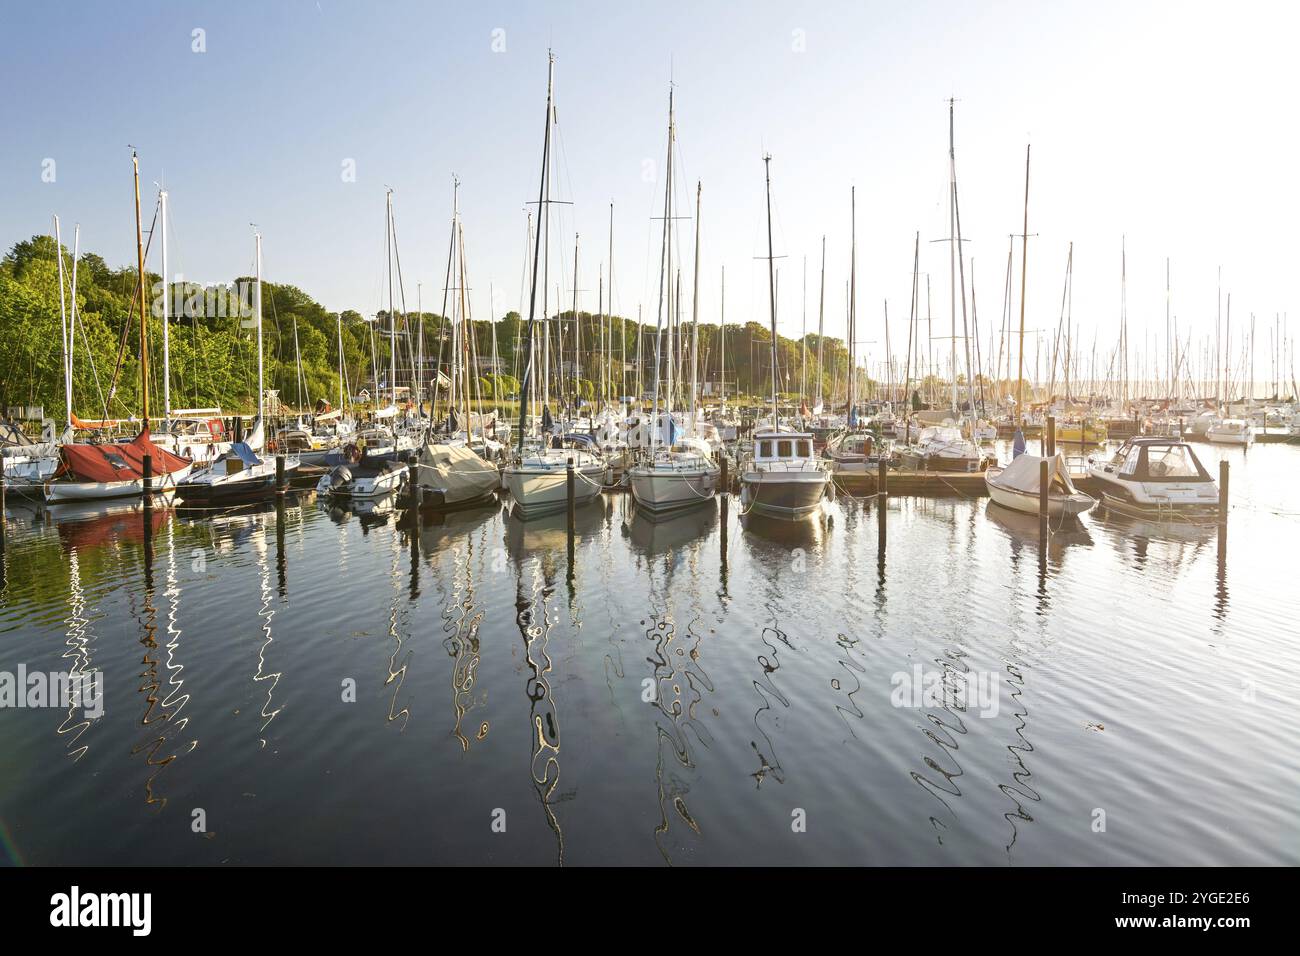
[214,349]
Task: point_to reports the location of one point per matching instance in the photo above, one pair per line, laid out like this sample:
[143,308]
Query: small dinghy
[1016,486]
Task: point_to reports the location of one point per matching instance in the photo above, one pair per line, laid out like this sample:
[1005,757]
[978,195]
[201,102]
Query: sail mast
[537,251]
[144,326]
[695,314]
[257,299]
[771,279]
[63,319]
[166,316]
[1024,259]
[821,325]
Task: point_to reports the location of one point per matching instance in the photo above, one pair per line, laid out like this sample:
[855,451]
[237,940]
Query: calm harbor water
[684,691]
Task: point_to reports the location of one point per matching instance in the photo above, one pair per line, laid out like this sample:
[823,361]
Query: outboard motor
[340,476]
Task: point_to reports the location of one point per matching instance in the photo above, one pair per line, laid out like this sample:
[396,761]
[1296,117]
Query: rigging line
[126,327]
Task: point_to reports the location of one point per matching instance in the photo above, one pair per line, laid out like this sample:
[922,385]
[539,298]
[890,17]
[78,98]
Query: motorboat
[942,448]
[538,480]
[238,475]
[201,440]
[1018,487]
[854,456]
[781,478]
[1082,432]
[1231,431]
[680,476]
[1156,477]
[454,476]
[365,477]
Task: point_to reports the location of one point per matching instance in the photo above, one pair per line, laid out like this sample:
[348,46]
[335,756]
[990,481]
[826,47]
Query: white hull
[1233,438]
[544,491]
[662,490]
[1057,505]
[57,491]
[376,486]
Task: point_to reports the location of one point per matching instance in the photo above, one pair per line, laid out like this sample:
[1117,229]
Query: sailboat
[781,477]
[538,479]
[451,474]
[947,446]
[27,464]
[682,473]
[1017,487]
[238,474]
[89,471]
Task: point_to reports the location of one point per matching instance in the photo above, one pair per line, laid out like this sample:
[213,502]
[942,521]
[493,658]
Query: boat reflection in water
[532,535]
[652,534]
[806,532]
[1023,531]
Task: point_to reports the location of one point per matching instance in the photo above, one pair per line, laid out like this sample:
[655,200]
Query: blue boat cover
[245,453]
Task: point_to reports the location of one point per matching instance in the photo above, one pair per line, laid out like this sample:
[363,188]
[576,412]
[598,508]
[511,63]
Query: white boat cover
[457,470]
[1022,475]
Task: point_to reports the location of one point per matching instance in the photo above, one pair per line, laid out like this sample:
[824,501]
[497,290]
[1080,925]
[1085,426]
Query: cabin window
[783,448]
[1173,462]
[804,450]
[765,449]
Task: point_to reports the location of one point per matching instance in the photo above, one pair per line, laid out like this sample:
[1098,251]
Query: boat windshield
[1172,461]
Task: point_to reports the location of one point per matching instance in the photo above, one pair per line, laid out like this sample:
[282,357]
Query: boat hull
[661,491]
[780,495]
[60,491]
[1058,505]
[545,491]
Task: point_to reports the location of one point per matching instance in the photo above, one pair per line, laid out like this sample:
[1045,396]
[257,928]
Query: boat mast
[66,339]
[1024,259]
[952,254]
[695,313]
[257,300]
[821,325]
[722,344]
[851,392]
[339,321]
[771,280]
[577,335]
[144,325]
[665,273]
[166,316]
[537,251]
[392,318]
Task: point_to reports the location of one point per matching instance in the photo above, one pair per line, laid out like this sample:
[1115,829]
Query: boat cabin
[1156,459]
[782,446]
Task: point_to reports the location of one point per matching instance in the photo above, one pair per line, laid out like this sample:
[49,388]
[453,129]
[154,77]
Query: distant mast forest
[214,356]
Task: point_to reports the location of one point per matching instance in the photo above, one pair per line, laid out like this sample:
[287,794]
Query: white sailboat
[682,473]
[781,477]
[238,474]
[538,479]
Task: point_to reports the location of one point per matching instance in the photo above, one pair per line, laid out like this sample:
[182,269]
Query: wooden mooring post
[1223,493]
[1043,486]
[570,493]
[1049,435]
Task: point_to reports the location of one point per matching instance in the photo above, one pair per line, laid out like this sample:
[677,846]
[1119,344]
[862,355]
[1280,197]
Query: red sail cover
[116,461]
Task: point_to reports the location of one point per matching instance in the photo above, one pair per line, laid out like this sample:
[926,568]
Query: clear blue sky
[1173,123]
